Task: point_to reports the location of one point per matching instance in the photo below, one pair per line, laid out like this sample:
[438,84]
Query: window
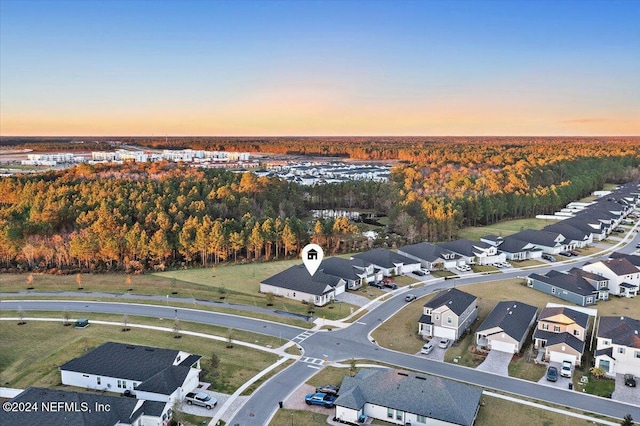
[556,329]
[122,384]
[620,350]
[437,317]
[399,414]
[637,354]
[99,380]
[590,299]
[390,413]
[545,326]
[421,419]
[553,290]
[576,332]
[449,319]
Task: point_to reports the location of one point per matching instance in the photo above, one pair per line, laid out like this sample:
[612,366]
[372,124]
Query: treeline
[152,216]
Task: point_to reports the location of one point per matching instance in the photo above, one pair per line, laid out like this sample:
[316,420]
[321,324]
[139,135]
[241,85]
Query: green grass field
[502,229]
[31,353]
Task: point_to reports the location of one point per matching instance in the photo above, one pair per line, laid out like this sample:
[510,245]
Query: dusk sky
[319,68]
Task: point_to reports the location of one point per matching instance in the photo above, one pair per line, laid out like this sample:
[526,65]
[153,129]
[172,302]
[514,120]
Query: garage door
[444,332]
[503,346]
[559,357]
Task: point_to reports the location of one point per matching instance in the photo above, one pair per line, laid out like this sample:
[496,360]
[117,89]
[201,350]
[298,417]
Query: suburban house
[575,286]
[513,248]
[296,283]
[449,314]
[618,347]
[561,334]
[106,410]
[633,258]
[149,373]
[589,225]
[405,398]
[506,328]
[549,242]
[355,272]
[431,256]
[623,276]
[389,262]
[474,252]
[574,237]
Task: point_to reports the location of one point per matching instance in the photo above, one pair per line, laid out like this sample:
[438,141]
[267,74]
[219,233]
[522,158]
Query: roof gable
[622,331]
[454,299]
[512,317]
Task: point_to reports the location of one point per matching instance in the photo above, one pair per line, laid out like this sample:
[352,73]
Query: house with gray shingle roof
[406,398]
[623,276]
[575,286]
[618,345]
[117,410]
[474,252]
[506,328]
[296,283]
[389,262]
[449,314]
[431,256]
[549,242]
[154,374]
[355,272]
[561,334]
[513,248]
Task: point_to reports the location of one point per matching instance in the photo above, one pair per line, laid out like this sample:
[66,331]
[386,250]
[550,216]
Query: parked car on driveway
[629,380]
[548,257]
[328,389]
[377,284]
[410,297]
[320,398]
[391,285]
[202,399]
[565,371]
[444,343]
[426,348]
[419,273]
[573,253]
[552,374]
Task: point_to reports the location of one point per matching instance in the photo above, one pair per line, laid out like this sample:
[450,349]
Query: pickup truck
[201,399]
[320,399]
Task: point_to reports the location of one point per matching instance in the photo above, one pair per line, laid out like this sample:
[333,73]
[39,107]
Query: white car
[444,343]
[426,348]
[202,399]
[566,369]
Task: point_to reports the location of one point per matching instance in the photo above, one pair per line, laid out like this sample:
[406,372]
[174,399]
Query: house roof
[166,381]
[424,395]
[620,266]
[456,300]
[622,331]
[384,258]
[512,317]
[588,275]
[190,360]
[122,410]
[341,268]
[425,319]
[512,245]
[297,278]
[556,338]
[465,247]
[426,251]
[491,237]
[568,231]
[608,352]
[569,282]
[542,238]
[579,318]
[125,361]
[634,259]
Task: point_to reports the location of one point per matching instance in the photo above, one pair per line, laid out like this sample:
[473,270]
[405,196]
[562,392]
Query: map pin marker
[312,255]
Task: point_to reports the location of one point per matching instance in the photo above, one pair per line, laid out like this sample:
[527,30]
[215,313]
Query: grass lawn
[404,280]
[496,411]
[443,274]
[503,229]
[33,352]
[524,367]
[461,351]
[589,250]
[285,417]
[600,387]
[484,268]
[523,263]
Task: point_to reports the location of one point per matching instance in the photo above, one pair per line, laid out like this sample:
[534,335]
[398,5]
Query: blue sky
[319,68]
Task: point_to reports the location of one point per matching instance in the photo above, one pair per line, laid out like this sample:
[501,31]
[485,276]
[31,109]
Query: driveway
[437,354]
[354,299]
[295,401]
[496,362]
[624,393]
[562,382]
[202,411]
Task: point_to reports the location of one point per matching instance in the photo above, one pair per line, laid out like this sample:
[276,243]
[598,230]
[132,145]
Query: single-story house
[549,242]
[62,407]
[506,328]
[153,374]
[618,345]
[431,256]
[513,248]
[389,262]
[406,398]
[575,286]
[355,272]
[296,283]
[449,314]
[474,252]
[574,237]
[561,334]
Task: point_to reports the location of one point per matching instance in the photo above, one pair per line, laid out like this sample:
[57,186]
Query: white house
[149,373]
[475,252]
[624,276]
[403,398]
[389,262]
[618,346]
[431,256]
[296,283]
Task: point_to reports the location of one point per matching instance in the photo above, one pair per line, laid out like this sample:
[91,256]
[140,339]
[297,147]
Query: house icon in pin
[312,254]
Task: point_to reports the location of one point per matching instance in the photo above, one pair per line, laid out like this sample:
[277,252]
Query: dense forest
[138,217]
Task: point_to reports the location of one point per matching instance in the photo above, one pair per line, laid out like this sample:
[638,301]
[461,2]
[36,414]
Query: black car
[618,230]
[565,253]
[377,284]
[392,286]
[419,273]
[629,380]
[328,389]
[552,374]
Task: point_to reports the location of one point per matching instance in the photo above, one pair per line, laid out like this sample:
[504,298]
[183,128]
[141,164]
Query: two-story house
[449,314]
[624,276]
[561,333]
[618,347]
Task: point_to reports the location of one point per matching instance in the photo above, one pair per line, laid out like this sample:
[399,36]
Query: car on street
[328,389]
[444,343]
[202,399]
[320,398]
[565,371]
[552,374]
[426,348]
[629,380]
[410,297]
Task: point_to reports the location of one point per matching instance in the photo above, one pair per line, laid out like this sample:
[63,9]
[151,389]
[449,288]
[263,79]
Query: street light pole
[291,419]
